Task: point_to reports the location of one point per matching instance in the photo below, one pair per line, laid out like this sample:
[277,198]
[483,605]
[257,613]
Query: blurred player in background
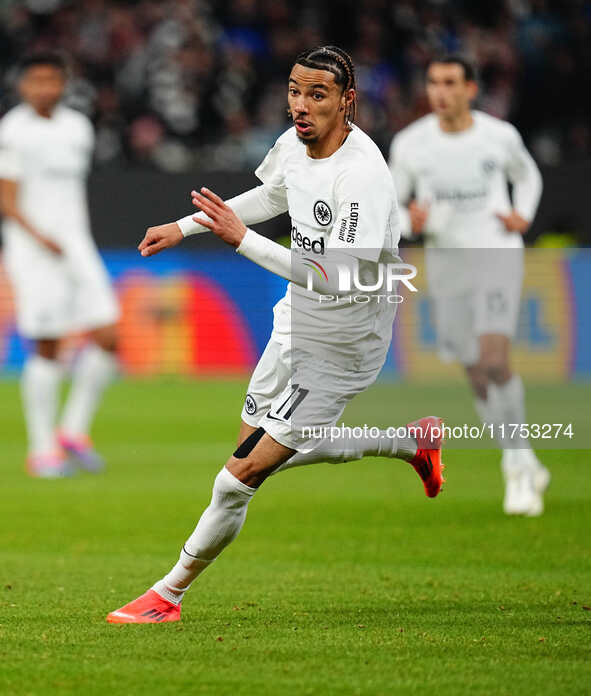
[458,163]
[334,182]
[60,284]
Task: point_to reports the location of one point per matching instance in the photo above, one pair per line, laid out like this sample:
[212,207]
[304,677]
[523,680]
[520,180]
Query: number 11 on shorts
[295,398]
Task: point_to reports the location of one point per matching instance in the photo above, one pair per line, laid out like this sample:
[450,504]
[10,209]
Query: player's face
[316,102]
[42,86]
[448,90]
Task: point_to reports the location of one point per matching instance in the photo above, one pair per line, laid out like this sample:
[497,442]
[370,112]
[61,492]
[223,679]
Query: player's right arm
[251,207]
[257,205]
[412,216]
[10,176]
[9,209]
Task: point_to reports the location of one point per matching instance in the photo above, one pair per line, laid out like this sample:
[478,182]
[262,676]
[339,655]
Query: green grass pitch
[344,580]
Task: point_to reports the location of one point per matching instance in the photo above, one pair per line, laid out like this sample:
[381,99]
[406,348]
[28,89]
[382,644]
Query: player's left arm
[525,176]
[412,214]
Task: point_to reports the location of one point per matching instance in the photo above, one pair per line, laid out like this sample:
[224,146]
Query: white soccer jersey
[463,179]
[50,159]
[345,202]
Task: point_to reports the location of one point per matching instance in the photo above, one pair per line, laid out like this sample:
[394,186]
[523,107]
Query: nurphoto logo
[359,290]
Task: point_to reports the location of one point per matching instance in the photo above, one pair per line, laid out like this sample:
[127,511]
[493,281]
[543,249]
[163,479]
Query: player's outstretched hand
[223,221]
[159,238]
[514,222]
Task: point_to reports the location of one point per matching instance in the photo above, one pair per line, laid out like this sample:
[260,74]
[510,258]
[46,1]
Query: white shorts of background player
[474,292]
[57,295]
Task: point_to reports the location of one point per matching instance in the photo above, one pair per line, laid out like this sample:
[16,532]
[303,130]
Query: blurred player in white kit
[458,162]
[59,282]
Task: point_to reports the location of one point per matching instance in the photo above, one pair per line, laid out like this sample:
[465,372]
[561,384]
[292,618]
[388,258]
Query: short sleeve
[518,158]
[365,201]
[10,160]
[270,170]
[89,135]
[401,169]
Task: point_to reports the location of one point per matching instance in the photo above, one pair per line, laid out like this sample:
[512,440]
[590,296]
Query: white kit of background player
[458,162]
[59,282]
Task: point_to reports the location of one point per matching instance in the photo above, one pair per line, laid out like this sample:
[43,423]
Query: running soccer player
[60,284]
[458,163]
[323,350]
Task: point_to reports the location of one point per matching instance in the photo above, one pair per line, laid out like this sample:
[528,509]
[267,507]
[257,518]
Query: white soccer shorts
[488,305]
[291,391]
[58,295]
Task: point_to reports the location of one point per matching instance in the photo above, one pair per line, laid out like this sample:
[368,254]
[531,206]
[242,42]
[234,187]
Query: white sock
[484,410]
[511,464]
[40,386]
[508,404]
[491,412]
[220,524]
[346,448]
[509,400]
[93,371]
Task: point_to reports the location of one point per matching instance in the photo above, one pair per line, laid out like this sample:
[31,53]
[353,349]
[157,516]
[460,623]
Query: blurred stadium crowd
[181,83]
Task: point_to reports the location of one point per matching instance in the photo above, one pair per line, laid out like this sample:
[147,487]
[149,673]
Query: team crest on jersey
[488,166]
[322,213]
[250,405]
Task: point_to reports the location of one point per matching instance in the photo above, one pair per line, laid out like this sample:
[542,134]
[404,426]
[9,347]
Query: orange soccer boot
[149,608]
[428,432]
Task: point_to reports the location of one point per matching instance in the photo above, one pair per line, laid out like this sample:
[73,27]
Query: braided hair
[339,63]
